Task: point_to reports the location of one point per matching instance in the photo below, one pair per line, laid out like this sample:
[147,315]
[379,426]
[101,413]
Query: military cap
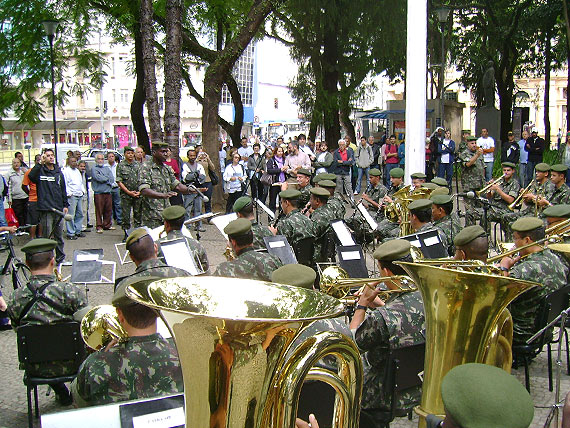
[375,172]
[327,183]
[440,191]
[241,203]
[559,168]
[562,210]
[305,171]
[135,236]
[319,191]
[238,227]
[159,144]
[289,194]
[526,224]
[468,234]
[508,165]
[173,212]
[328,176]
[542,167]
[419,175]
[39,245]
[397,173]
[392,250]
[431,186]
[472,138]
[128,149]
[439,181]
[420,204]
[294,274]
[441,199]
[483,396]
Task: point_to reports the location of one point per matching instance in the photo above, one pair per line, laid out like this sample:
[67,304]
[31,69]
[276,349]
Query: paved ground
[13,406]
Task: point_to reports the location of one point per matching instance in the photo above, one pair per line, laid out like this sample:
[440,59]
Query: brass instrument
[229,253]
[233,337]
[57,274]
[519,200]
[544,242]
[100,326]
[398,209]
[563,226]
[484,190]
[465,321]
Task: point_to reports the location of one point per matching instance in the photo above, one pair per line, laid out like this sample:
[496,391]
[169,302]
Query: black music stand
[351,259]
[429,243]
[279,247]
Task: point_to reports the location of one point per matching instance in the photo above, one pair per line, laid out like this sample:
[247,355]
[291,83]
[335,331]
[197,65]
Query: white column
[416,72]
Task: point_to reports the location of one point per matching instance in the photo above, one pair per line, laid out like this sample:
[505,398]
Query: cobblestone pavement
[13,407]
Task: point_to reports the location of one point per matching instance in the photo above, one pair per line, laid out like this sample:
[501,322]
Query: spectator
[390,156]
[86,201]
[30,188]
[193,174]
[295,160]
[203,159]
[446,155]
[343,159]
[140,155]
[302,140]
[102,180]
[487,143]
[565,155]
[222,154]
[510,151]
[402,154]
[244,151]
[234,176]
[535,146]
[324,159]
[268,158]
[75,193]
[23,165]
[115,191]
[363,156]
[275,167]
[255,167]
[524,160]
[17,198]
[432,161]
[429,157]
[375,152]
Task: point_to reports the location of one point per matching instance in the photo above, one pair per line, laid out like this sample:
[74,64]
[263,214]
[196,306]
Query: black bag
[213,177]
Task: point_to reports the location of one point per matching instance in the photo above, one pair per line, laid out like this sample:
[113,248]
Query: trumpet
[544,242]
[488,186]
[518,201]
[558,228]
[100,326]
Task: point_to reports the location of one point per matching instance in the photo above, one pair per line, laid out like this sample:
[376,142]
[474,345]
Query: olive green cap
[440,191]
[305,171]
[241,203]
[395,249]
[508,165]
[439,181]
[559,168]
[483,396]
[542,167]
[159,144]
[238,227]
[319,191]
[327,183]
[526,224]
[562,210]
[128,149]
[173,212]
[468,234]
[375,172]
[294,274]
[39,245]
[441,199]
[324,176]
[397,173]
[419,175]
[135,236]
[430,186]
[472,138]
[420,204]
[289,194]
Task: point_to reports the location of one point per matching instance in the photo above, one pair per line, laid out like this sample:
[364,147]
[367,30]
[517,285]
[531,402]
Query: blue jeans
[76,211]
[489,170]
[361,172]
[522,174]
[445,170]
[387,168]
[193,206]
[530,171]
[117,211]
[3,221]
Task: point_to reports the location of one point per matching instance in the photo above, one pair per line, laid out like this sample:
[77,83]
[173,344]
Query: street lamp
[442,15]
[50,27]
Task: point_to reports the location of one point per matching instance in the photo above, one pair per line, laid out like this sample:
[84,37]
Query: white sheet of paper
[154,233]
[342,233]
[350,255]
[222,221]
[87,257]
[165,419]
[178,255]
[276,244]
[265,208]
[373,225]
[416,243]
[434,240]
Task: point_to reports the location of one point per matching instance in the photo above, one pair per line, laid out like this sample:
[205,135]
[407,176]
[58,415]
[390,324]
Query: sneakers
[80,235]
[72,237]
[200,229]
[99,230]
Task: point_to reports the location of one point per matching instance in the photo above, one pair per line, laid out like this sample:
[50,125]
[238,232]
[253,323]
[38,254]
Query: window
[124,96]
[112,67]
[565,93]
[243,74]
[276,103]
[450,96]
[114,96]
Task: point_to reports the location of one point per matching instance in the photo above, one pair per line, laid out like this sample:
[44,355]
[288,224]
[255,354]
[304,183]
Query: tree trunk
[547,69]
[315,121]
[137,105]
[568,90]
[235,133]
[506,106]
[329,67]
[149,62]
[345,110]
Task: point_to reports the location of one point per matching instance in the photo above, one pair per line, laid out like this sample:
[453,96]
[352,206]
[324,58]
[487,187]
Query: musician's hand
[203,189]
[388,199]
[369,294]
[273,230]
[494,188]
[135,194]
[9,229]
[508,262]
[3,304]
[111,344]
[300,423]
[479,151]
[528,197]
[65,210]
[543,202]
[366,197]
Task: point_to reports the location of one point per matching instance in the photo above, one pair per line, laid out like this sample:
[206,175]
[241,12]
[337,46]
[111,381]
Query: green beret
[327,183]
[289,194]
[562,210]
[135,236]
[508,165]
[559,168]
[419,175]
[375,172]
[440,191]
[468,234]
[319,191]
[39,245]
[439,181]
[395,249]
[397,173]
[294,274]
[526,224]
[483,396]
[542,167]
[238,227]
[241,203]
[305,171]
[420,204]
[173,212]
[159,144]
[430,186]
[441,199]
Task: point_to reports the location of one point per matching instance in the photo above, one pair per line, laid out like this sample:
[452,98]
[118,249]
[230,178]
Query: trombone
[518,201]
[544,242]
[488,186]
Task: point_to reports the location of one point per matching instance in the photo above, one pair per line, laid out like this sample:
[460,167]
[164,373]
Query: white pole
[416,72]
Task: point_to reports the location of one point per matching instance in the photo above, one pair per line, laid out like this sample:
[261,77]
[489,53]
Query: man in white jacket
[75,192]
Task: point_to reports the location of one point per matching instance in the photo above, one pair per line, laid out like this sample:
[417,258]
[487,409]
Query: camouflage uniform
[545,190]
[128,174]
[377,194]
[561,195]
[398,324]
[259,232]
[472,179]
[387,229]
[499,209]
[153,267]
[336,205]
[141,367]
[295,226]
[544,267]
[159,178]
[321,219]
[249,264]
[194,246]
[450,227]
[305,196]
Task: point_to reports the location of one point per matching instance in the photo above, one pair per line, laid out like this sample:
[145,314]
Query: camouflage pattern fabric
[141,367]
[128,174]
[544,267]
[561,195]
[387,230]
[321,219]
[194,246]
[259,232]
[377,194]
[545,190]
[159,178]
[394,189]
[153,267]
[472,179]
[305,195]
[399,324]
[450,227]
[336,205]
[511,188]
[295,226]
[249,264]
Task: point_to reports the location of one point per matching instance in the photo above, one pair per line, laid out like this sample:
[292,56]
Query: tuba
[100,326]
[466,322]
[232,338]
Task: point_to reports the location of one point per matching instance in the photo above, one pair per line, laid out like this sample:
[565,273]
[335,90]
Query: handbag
[213,177]
[11,217]
[266,179]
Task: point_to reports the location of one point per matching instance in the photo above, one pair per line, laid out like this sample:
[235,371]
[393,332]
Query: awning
[46,125]
[383,114]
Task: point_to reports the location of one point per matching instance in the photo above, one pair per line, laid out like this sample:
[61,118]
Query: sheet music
[343,234]
[373,225]
[265,208]
[177,254]
[222,221]
[350,255]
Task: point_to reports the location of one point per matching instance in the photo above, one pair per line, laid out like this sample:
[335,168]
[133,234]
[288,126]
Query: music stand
[429,243]
[177,254]
[342,233]
[87,268]
[265,208]
[351,259]
[122,253]
[222,221]
[279,247]
[366,215]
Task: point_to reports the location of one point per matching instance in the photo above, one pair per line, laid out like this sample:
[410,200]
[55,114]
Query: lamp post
[442,15]
[50,27]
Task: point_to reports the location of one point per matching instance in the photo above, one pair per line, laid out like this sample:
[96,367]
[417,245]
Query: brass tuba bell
[100,326]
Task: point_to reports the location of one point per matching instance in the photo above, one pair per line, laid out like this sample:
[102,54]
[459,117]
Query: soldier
[398,324]
[173,223]
[420,215]
[561,194]
[444,219]
[556,215]
[45,300]
[534,264]
[157,184]
[128,182]
[471,244]
[243,207]
[294,226]
[143,365]
[472,176]
[321,217]
[501,195]
[441,182]
[418,180]
[540,192]
[387,228]
[249,264]
[334,203]
[375,195]
[304,186]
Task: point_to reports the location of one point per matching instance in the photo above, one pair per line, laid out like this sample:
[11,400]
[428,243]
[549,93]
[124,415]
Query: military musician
[539,193]
[321,216]
[334,203]
[501,195]
[243,207]
[375,196]
[561,193]
[387,228]
[445,219]
[472,176]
